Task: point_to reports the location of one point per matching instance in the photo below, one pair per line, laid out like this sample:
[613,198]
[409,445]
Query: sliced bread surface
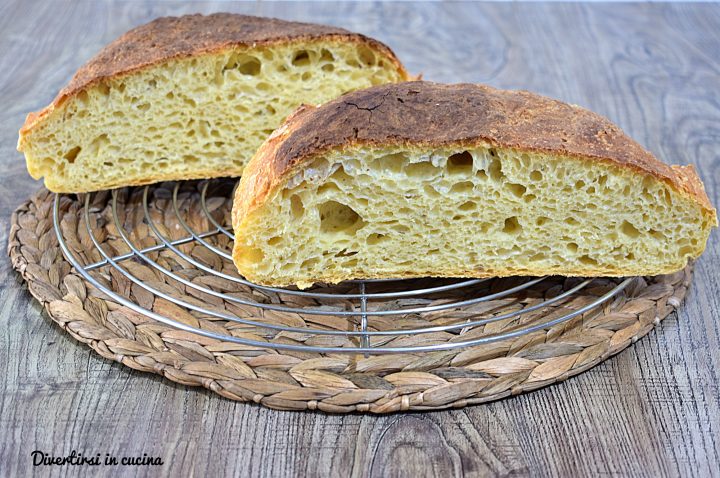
[422,179]
[192,97]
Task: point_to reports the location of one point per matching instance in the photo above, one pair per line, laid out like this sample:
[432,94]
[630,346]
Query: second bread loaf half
[192,97]
[423,179]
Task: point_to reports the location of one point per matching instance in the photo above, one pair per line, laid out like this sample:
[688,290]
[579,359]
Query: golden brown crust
[431,114]
[170,38]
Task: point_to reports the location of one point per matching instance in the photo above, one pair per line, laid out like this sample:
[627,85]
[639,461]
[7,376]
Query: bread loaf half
[422,179]
[192,97]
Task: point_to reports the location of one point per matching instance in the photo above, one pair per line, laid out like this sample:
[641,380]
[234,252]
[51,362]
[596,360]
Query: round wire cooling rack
[177,231]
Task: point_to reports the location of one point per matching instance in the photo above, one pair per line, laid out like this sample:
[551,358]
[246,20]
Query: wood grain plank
[654,410]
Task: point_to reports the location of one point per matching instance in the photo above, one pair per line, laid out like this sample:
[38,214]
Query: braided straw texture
[302,380]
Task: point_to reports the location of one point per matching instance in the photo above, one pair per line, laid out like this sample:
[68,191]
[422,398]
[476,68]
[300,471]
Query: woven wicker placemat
[328,382]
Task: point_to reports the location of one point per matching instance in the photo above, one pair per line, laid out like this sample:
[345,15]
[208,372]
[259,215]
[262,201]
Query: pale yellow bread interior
[413,211]
[195,117]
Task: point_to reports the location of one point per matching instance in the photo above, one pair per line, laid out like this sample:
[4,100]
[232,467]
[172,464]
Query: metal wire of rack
[360,317]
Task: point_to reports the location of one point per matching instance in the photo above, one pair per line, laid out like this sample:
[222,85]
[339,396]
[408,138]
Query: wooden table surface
[654,410]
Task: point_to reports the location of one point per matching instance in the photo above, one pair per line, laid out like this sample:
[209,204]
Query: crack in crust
[370,108]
